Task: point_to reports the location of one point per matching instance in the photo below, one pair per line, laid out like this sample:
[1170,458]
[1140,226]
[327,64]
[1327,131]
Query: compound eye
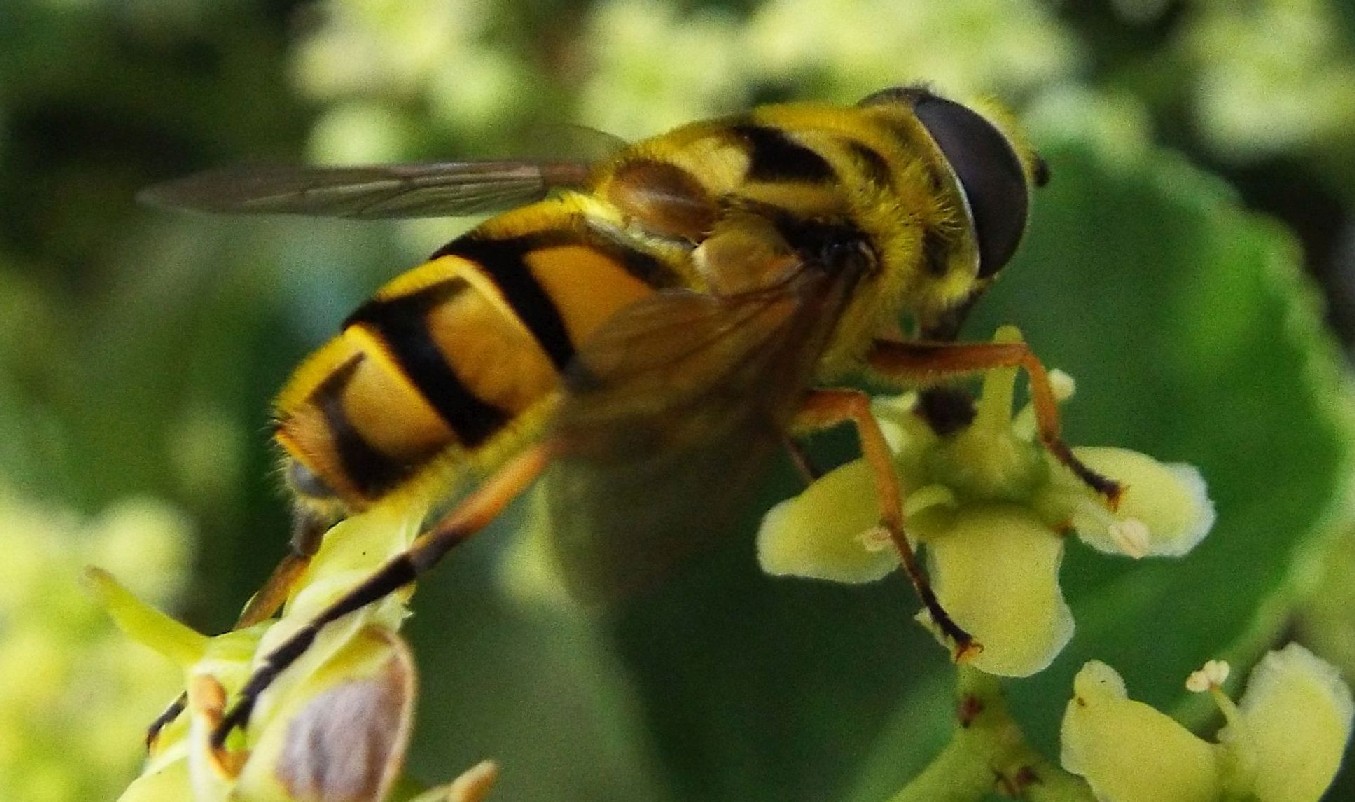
[990,175]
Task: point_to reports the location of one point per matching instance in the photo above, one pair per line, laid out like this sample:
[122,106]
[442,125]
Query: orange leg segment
[261,607]
[920,364]
[264,604]
[828,407]
[470,516]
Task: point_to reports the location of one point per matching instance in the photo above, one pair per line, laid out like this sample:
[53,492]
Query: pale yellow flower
[1282,743]
[990,508]
[334,726]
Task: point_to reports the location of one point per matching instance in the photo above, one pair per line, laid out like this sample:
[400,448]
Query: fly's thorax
[843,178]
[685,183]
[662,198]
[670,190]
[902,173]
[736,192]
[741,254]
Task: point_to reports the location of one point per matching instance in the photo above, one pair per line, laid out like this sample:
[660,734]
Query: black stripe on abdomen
[402,325]
[370,472]
[504,261]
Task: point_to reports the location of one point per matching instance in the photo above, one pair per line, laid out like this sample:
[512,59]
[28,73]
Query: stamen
[474,784]
[1210,676]
[1132,536]
[1062,384]
[876,539]
[1091,511]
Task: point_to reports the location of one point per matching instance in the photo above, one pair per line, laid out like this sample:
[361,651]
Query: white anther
[1210,676]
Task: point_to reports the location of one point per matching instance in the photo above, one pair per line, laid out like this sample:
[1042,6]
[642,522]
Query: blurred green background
[1204,171]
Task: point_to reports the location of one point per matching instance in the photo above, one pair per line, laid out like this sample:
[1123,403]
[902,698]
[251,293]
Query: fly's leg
[470,516]
[829,407]
[165,719]
[921,364]
[801,461]
[308,529]
[265,603]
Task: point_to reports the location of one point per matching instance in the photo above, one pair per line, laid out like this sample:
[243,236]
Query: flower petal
[1168,503]
[1297,715]
[473,785]
[824,533]
[342,736]
[144,623]
[1129,752]
[164,781]
[995,571]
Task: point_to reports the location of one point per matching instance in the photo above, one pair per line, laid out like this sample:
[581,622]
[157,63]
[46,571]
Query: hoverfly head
[993,167]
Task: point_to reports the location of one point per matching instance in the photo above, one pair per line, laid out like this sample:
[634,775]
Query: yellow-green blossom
[991,507]
[1276,77]
[334,726]
[72,687]
[374,63]
[988,44]
[1282,743]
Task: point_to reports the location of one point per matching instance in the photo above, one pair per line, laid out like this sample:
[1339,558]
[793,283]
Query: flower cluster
[991,507]
[72,687]
[370,64]
[334,726]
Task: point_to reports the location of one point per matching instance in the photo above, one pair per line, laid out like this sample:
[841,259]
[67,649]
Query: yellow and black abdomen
[448,365]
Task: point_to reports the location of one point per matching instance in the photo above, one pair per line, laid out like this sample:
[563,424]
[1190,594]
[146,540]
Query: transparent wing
[670,415]
[443,189]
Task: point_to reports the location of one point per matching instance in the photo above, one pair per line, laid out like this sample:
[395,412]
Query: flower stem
[988,753]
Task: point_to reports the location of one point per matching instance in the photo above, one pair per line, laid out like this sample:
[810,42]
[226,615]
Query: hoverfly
[648,325]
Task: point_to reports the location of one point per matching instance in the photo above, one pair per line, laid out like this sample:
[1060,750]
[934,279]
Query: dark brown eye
[989,171]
